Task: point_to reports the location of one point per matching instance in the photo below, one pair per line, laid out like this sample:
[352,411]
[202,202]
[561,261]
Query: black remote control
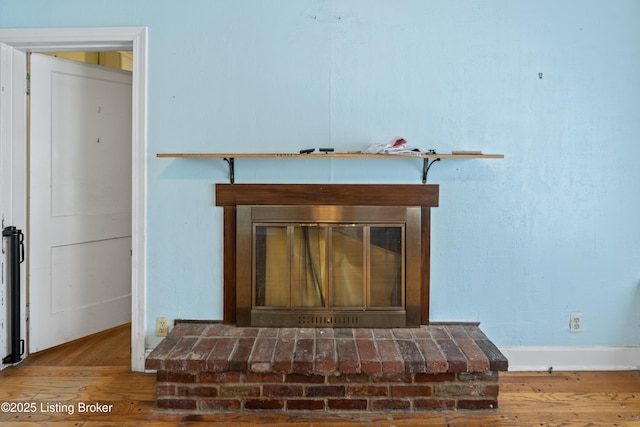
[326,150]
[307,151]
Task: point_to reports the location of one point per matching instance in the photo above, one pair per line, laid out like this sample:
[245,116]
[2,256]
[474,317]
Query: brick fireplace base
[220,368]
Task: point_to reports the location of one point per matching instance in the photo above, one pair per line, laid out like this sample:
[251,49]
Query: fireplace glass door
[329,266]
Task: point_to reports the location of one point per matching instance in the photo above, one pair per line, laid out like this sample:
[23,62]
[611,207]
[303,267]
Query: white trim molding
[102,39]
[572,358]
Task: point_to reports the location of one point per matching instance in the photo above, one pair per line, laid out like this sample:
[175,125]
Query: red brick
[220,377]
[477,404]
[348,362]
[216,330]
[305,405]
[220,404]
[178,331]
[421,333]
[165,390]
[218,359]
[325,358]
[325,333]
[198,391]
[304,379]
[238,361]
[235,332]
[411,390]
[399,377]
[155,360]
[385,334]
[458,389]
[435,378]
[176,404]
[287,333]
[434,404]
[194,329]
[491,391]
[487,376]
[435,361]
[306,333]
[391,361]
[455,358]
[249,332]
[363,333]
[478,362]
[239,391]
[257,404]
[497,361]
[347,404]
[390,405]
[197,359]
[474,332]
[458,332]
[283,355]
[259,377]
[401,334]
[260,360]
[282,390]
[268,333]
[162,376]
[303,357]
[369,358]
[413,360]
[325,391]
[364,390]
[176,359]
[349,378]
[439,333]
[343,333]
[182,377]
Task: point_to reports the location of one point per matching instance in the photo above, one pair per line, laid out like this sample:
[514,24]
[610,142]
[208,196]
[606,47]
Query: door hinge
[28,84]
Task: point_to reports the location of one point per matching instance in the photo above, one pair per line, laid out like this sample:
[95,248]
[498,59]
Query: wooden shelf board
[326,156]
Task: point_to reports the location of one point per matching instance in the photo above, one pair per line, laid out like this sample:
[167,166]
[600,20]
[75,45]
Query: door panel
[80,200]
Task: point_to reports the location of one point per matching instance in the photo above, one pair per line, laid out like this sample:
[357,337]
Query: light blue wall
[517,244]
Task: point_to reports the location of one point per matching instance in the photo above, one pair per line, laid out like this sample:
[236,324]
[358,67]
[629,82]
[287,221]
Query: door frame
[108,39]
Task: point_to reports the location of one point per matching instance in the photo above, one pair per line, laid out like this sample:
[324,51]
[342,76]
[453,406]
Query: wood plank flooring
[95,370]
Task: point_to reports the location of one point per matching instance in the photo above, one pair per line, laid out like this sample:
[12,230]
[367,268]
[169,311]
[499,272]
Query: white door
[13,119]
[80,200]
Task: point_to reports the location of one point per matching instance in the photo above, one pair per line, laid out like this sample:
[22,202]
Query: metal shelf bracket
[426,165]
[232,168]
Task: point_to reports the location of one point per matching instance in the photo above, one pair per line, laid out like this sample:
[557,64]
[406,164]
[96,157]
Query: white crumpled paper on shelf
[395,145]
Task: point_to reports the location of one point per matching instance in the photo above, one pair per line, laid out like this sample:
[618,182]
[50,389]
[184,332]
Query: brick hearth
[214,367]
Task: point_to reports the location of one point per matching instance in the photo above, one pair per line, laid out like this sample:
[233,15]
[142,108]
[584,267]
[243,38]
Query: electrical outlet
[162,326]
[575,322]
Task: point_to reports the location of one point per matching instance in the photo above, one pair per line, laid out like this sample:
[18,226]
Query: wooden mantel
[229,196]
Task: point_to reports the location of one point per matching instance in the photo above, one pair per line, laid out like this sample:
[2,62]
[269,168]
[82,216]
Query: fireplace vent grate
[328,320]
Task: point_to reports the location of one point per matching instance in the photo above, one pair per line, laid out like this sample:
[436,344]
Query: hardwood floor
[108,348]
[54,386]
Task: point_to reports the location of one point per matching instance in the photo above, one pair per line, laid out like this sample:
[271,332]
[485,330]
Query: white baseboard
[572,358]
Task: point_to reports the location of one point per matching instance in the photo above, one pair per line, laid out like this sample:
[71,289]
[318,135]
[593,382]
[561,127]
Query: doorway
[109,39]
[79,230]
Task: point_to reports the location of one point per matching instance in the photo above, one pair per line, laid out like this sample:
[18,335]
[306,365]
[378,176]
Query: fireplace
[303,259]
[326,255]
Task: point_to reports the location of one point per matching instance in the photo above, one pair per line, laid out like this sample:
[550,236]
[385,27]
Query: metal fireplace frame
[235,197]
[405,315]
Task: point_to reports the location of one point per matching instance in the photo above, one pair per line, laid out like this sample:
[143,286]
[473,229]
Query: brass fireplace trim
[229,196]
[405,316]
